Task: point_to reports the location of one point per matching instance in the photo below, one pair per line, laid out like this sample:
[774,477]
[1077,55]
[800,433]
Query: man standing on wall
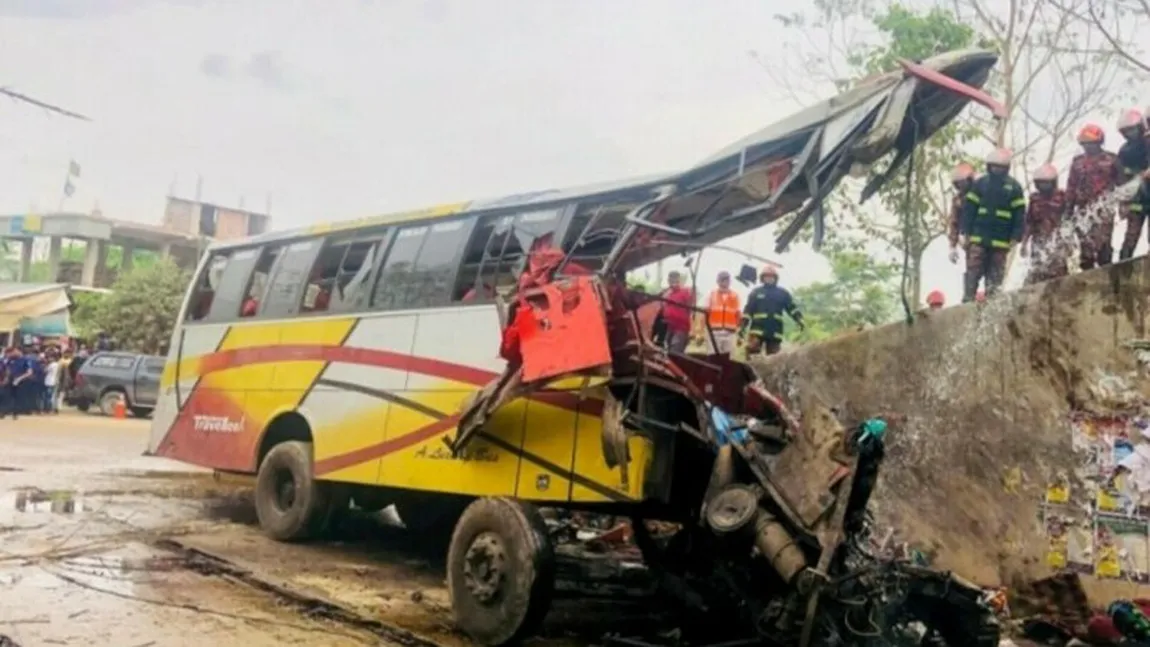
[1094,173]
[1044,241]
[992,223]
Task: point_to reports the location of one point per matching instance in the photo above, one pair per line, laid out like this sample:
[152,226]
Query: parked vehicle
[105,377]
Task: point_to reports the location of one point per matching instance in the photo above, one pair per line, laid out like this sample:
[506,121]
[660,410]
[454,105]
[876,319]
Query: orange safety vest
[723,310]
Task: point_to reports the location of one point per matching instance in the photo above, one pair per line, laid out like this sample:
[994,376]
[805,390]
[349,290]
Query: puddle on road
[35,500]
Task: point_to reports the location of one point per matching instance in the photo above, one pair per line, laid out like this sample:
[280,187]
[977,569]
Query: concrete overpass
[98,233]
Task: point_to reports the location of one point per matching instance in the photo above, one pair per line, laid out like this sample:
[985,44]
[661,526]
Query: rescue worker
[1044,241]
[723,314]
[992,222]
[1134,156]
[961,179]
[763,316]
[1094,173]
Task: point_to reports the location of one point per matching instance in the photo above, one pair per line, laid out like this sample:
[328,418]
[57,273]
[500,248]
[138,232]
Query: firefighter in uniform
[1134,157]
[992,223]
[763,314]
[1094,173]
[962,178]
[1045,240]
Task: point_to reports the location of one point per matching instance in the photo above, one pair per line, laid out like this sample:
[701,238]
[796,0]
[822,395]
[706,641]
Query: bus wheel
[500,571]
[290,504]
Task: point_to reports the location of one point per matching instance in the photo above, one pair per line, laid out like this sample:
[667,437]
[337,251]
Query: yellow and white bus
[334,361]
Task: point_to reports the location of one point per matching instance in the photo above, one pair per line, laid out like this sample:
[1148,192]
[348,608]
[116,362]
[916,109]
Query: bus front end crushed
[772,541]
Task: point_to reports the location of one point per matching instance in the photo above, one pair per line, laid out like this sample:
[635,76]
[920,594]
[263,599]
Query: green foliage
[861,293]
[39,272]
[907,217]
[85,306]
[141,311]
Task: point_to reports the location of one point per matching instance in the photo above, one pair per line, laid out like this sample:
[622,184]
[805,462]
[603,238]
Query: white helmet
[999,157]
[1130,118]
[1046,173]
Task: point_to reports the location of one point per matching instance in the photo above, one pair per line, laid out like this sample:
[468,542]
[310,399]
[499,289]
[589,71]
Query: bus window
[608,219]
[206,284]
[497,252]
[284,294]
[232,285]
[421,265]
[259,282]
[340,274]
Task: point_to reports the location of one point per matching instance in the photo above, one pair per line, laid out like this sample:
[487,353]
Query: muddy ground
[100,545]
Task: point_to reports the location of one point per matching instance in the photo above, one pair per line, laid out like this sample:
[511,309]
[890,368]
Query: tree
[907,216]
[40,272]
[85,312]
[1051,75]
[1118,24]
[861,293]
[141,311]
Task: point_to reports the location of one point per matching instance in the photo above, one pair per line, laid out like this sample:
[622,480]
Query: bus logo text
[221,424]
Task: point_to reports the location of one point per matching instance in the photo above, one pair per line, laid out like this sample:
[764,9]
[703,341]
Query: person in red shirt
[677,313]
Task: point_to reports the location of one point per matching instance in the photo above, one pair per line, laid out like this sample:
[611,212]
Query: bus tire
[290,504]
[500,571]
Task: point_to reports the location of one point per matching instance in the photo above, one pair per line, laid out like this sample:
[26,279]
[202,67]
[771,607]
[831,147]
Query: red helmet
[1046,173]
[1130,118]
[935,298]
[1091,134]
[962,172]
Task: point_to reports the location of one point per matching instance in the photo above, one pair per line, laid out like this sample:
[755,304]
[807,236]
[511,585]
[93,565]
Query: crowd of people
[34,380]
[992,215]
[759,322]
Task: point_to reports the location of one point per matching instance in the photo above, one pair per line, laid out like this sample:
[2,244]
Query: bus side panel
[351,402]
[547,449]
[453,355]
[218,425]
[198,342]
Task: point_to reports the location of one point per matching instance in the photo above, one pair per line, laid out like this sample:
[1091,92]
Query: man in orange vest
[724,314]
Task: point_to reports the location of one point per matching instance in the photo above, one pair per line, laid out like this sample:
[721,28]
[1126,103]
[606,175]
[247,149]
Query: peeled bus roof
[725,161]
[550,196]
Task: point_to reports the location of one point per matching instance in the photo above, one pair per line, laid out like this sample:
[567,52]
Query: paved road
[84,518]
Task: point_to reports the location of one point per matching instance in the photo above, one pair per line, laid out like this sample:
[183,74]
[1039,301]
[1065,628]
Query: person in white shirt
[51,382]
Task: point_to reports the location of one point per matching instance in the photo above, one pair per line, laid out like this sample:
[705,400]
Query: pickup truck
[106,376]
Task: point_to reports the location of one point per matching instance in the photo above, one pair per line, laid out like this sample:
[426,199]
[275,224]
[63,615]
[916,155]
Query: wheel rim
[484,566]
[108,403]
[285,493]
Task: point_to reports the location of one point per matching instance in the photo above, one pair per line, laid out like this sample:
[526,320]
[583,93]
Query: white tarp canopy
[19,301]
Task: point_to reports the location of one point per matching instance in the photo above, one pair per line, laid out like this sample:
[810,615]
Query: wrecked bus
[472,362]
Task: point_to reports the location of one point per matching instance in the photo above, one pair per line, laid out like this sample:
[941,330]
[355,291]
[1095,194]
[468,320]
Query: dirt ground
[86,525]
[100,545]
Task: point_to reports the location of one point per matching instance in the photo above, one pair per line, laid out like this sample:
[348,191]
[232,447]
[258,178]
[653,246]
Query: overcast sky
[345,108]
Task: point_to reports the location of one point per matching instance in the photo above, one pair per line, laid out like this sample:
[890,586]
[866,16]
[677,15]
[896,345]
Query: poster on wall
[1125,539]
[1094,519]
